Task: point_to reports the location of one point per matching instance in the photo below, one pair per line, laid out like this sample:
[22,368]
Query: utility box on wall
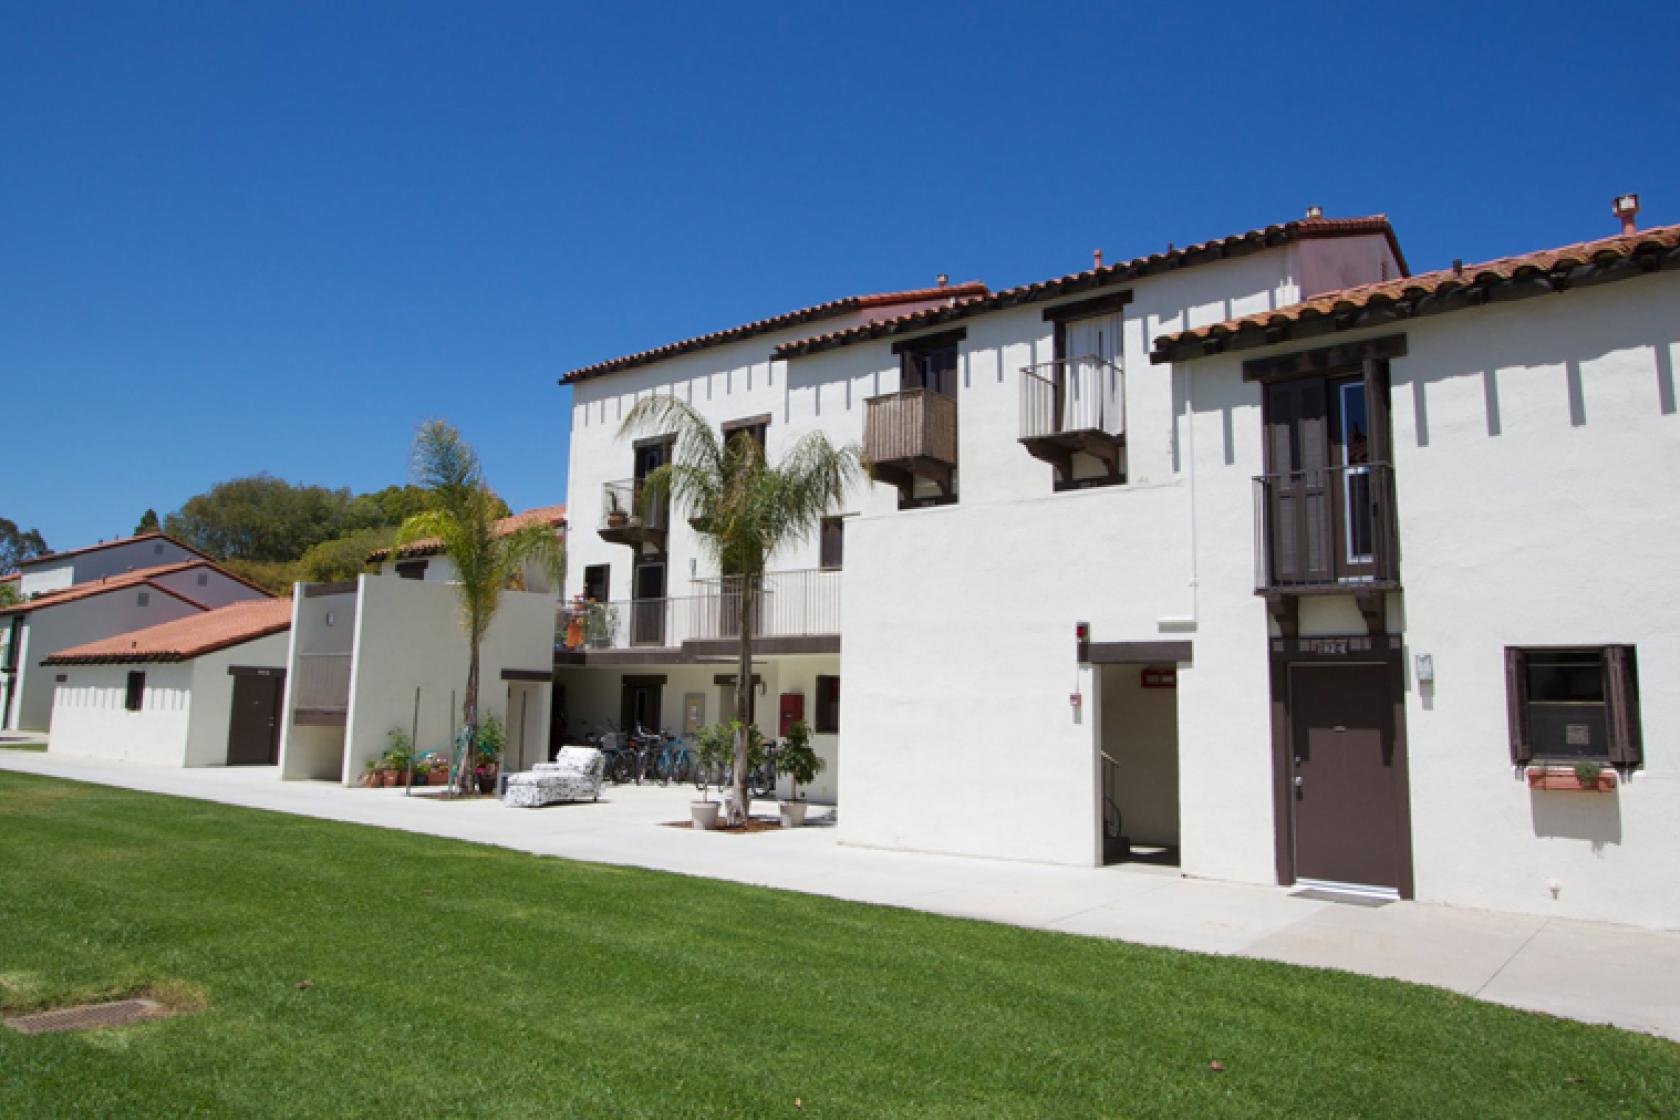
[792,711]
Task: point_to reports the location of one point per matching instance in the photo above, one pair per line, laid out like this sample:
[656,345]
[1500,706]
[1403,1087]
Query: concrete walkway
[1583,970]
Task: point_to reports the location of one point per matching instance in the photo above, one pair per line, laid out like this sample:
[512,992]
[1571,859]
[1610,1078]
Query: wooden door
[647,609]
[254,723]
[1344,794]
[1297,461]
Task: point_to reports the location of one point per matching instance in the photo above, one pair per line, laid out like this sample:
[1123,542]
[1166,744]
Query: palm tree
[745,509]
[463,516]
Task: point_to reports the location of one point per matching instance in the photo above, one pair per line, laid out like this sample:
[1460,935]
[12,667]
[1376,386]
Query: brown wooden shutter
[1516,702]
[1622,690]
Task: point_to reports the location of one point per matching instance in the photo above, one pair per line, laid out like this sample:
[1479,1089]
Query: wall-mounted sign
[1157,676]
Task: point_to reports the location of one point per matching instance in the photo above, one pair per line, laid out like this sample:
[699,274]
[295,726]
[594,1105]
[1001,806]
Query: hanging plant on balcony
[601,624]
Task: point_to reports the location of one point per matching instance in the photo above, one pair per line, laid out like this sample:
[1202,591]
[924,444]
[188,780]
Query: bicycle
[675,762]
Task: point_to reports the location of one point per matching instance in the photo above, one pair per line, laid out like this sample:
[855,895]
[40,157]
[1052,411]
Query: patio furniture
[574,775]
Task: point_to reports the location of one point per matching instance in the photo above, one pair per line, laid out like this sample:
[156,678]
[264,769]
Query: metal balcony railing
[1325,528]
[1083,394]
[787,604]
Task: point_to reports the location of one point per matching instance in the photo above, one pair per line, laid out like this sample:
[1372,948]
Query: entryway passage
[1139,745]
[1344,794]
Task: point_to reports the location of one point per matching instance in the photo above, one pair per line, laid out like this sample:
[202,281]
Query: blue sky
[246,237]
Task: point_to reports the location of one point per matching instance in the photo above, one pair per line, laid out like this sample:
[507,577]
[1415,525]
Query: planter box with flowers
[1585,777]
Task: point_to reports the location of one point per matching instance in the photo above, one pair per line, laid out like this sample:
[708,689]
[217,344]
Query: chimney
[1314,213]
[1096,258]
[1626,207]
[1458,266]
[944,279]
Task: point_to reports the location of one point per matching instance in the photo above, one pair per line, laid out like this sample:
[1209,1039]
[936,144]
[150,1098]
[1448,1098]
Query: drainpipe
[1189,624]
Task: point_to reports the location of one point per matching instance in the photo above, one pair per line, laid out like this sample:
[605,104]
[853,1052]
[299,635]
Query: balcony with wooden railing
[912,435]
[1075,406]
[632,515]
[1325,530]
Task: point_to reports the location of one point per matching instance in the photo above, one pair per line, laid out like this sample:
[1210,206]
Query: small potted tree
[602,624]
[492,740]
[801,764]
[712,747]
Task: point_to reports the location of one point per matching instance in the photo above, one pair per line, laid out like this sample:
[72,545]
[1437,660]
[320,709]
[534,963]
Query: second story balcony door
[1084,402]
[1327,498]
[647,607]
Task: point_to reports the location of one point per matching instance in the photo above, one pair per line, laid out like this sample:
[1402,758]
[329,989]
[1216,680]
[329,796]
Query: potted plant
[712,746]
[801,764]
[492,741]
[1586,775]
[617,516]
[370,773]
[602,625]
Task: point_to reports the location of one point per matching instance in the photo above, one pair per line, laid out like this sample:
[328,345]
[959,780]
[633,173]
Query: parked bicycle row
[705,759]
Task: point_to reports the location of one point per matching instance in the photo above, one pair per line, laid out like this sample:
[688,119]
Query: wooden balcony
[1327,531]
[1075,406]
[909,436]
[631,516]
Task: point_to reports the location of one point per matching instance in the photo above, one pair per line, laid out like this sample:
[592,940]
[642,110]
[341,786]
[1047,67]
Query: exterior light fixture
[1315,212]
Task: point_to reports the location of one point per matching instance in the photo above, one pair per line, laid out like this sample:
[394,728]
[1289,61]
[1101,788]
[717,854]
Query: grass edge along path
[341,970]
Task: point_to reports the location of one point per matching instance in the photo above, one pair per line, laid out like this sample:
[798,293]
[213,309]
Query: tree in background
[16,546]
[343,558]
[746,509]
[148,523]
[260,518]
[462,513]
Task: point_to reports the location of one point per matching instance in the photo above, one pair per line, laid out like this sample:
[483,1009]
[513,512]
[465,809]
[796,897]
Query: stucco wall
[311,750]
[212,695]
[408,637]
[209,587]
[89,566]
[51,629]
[89,717]
[1531,441]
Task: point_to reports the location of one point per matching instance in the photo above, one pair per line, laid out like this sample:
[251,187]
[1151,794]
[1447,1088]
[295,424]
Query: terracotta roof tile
[775,323]
[135,578]
[1204,252]
[185,638]
[102,545]
[431,546]
[1424,294]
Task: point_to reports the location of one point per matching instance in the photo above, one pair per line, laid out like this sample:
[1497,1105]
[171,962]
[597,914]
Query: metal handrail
[1085,393]
[1326,526]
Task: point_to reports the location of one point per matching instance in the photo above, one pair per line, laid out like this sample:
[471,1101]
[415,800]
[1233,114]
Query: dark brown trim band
[1084,308]
[254,671]
[654,441]
[527,674]
[644,680]
[1136,653]
[744,422]
[1325,359]
[937,341]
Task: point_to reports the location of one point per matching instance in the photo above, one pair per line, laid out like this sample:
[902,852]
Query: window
[1574,703]
[411,569]
[932,365]
[204,579]
[135,697]
[144,599]
[828,706]
[833,542]
[596,581]
[756,428]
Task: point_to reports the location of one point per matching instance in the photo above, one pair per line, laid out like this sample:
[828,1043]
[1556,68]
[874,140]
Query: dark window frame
[831,545]
[134,695]
[1624,738]
[411,569]
[825,716]
[606,582]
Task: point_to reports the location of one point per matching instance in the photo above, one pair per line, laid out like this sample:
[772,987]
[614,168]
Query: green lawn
[447,978]
[13,745]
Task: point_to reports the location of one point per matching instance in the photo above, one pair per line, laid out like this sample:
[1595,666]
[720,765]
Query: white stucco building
[201,690]
[387,651]
[71,598]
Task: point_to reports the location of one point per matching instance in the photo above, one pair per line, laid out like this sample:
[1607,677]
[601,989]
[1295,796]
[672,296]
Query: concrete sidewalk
[1583,970]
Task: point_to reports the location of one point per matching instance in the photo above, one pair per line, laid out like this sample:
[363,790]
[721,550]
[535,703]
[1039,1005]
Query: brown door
[1345,793]
[254,726]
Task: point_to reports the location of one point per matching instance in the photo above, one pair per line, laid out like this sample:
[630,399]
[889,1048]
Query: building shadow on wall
[1567,815]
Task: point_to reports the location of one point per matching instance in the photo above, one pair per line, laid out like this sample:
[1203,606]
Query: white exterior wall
[441,569]
[209,587]
[1532,443]
[51,629]
[309,750]
[408,636]
[89,717]
[52,575]
[212,694]
[959,620]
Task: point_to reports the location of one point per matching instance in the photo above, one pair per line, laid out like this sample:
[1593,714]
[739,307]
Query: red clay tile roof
[431,546]
[102,545]
[132,578]
[11,577]
[1449,289]
[775,323]
[185,638]
[1093,279]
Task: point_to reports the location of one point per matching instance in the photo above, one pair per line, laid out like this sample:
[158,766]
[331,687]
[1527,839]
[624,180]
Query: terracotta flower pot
[390,779]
